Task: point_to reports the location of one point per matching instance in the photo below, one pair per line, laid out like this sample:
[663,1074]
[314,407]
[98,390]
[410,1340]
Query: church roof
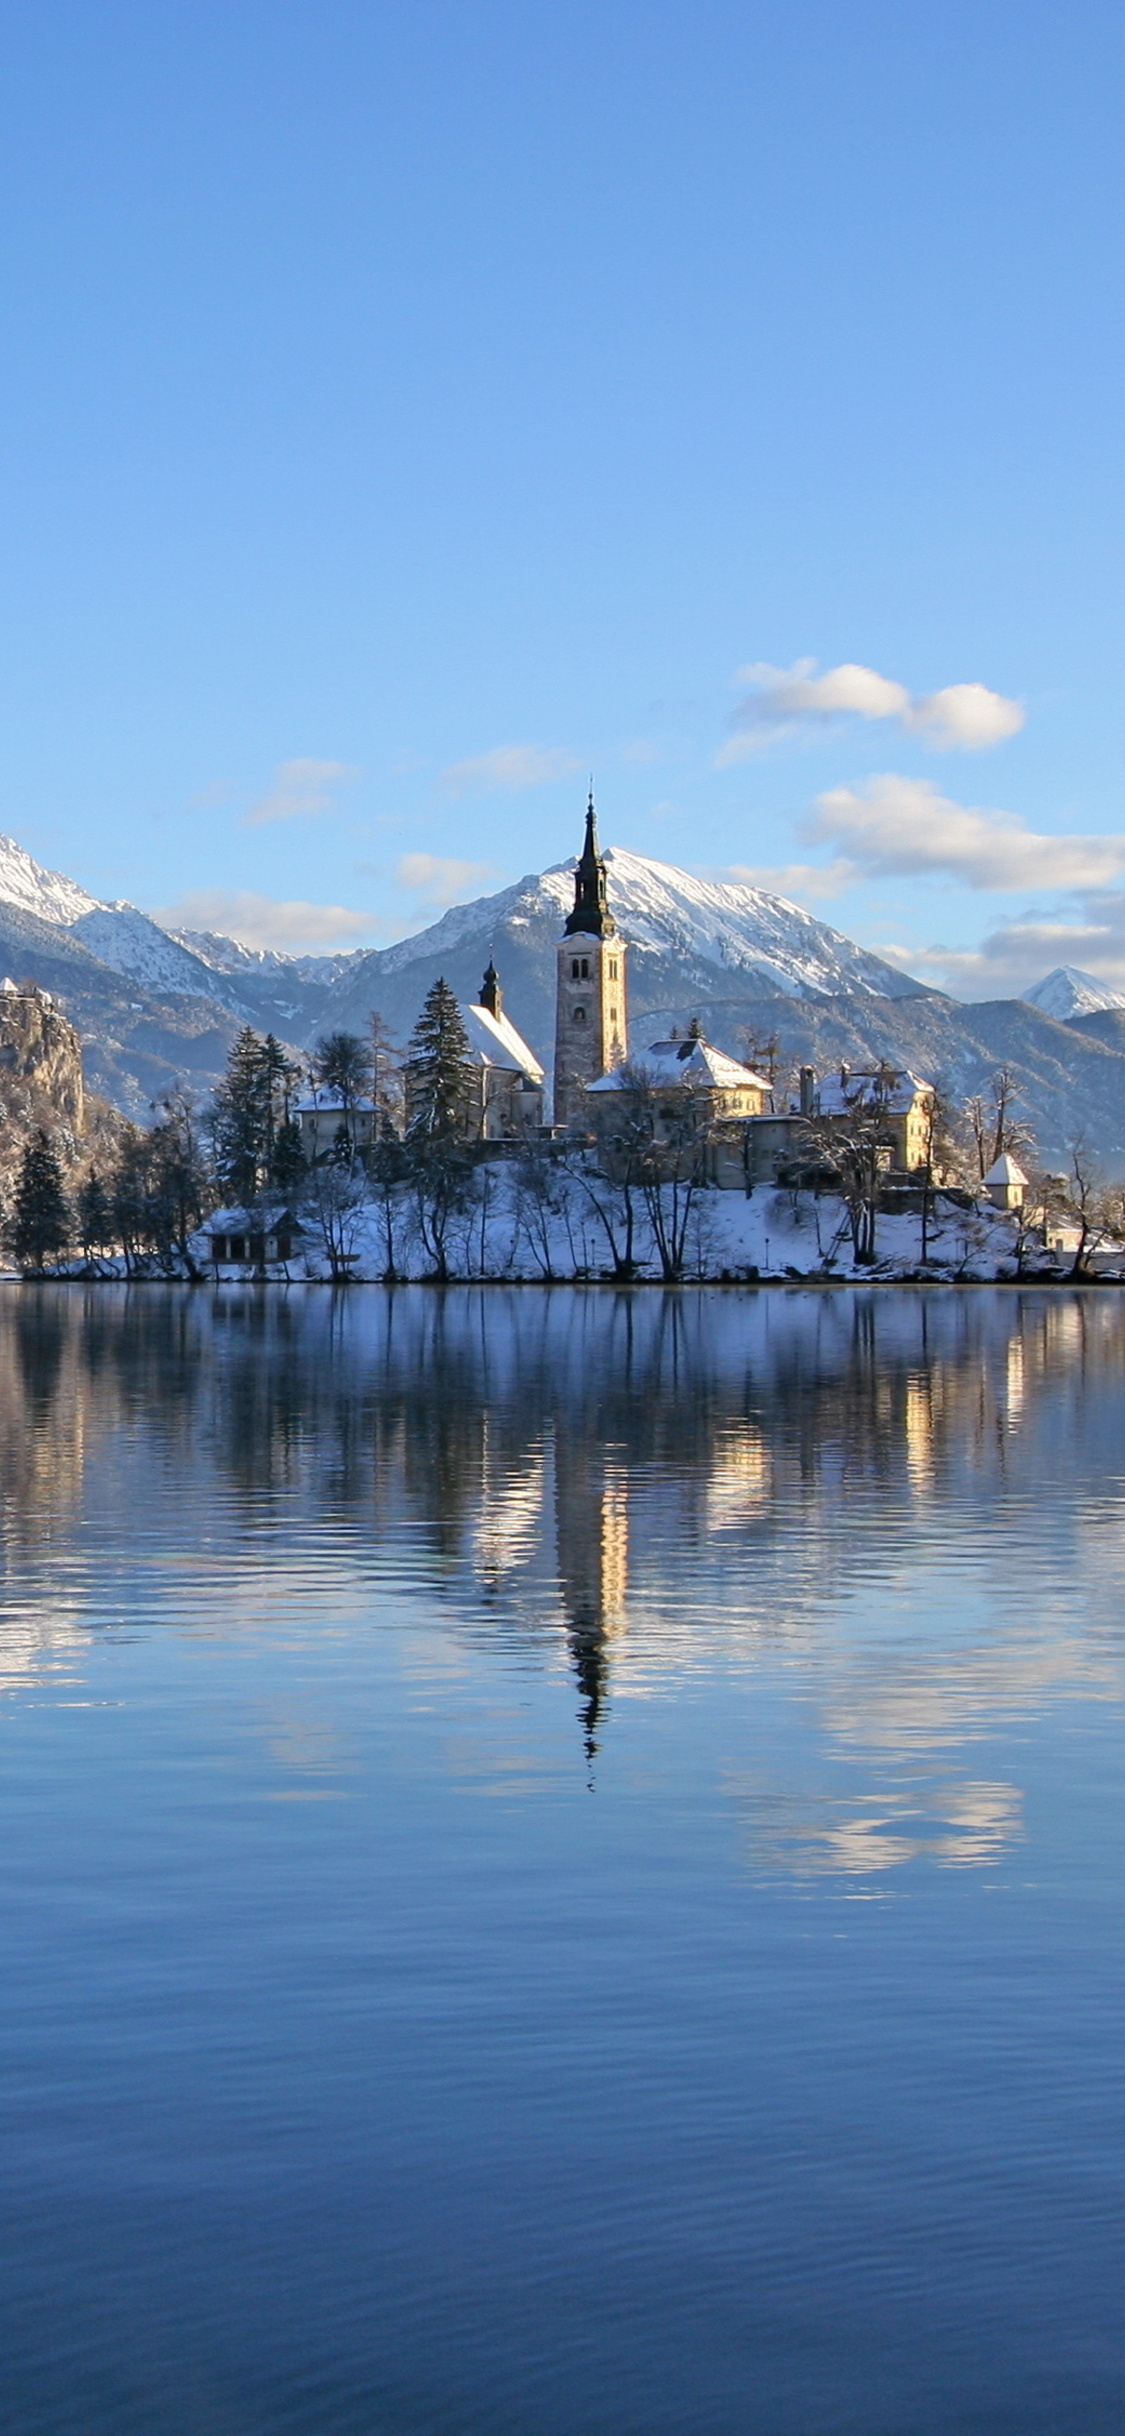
[494,1041]
[692,1061]
[842,1094]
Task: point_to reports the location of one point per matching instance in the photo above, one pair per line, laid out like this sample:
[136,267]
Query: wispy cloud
[803,883]
[896,827]
[441,879]
[1017,954]
[292,926]
[299,790]
[786,701]
[511,768]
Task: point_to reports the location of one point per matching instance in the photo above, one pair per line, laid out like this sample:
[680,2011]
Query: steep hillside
[684,935]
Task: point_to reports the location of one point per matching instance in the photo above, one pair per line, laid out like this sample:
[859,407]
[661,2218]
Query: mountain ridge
[156,1007]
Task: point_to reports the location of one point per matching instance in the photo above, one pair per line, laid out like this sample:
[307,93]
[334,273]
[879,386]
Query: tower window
[580,1014]
[613,968]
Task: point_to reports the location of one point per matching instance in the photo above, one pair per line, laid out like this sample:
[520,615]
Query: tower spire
[591,913]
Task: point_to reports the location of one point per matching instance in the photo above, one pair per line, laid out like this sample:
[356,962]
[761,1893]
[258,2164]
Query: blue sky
[406,410]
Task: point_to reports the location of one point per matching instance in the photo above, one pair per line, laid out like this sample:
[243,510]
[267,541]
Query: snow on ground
[507,1233]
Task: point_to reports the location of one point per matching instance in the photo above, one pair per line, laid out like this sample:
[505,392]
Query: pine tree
[288,1165]
[95,1215]
[438,1071]
[240,1116]
[41,1222]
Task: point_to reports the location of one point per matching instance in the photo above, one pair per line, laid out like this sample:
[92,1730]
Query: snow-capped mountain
[232,956]
[1068,991]
[155,1009]
[761,942]
[130,942]
[47,894]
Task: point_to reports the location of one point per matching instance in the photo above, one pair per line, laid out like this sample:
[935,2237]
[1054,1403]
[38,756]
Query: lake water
[562,1863]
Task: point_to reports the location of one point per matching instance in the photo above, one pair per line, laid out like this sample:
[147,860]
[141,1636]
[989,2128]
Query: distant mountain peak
[1068,991]
[718,927]
[47,894]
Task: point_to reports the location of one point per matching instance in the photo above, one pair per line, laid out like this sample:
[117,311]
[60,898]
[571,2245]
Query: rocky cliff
[40,1062]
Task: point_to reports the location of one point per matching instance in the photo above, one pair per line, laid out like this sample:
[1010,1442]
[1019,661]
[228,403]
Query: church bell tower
[590,1025]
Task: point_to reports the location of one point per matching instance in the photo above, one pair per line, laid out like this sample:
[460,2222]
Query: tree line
[411,1167]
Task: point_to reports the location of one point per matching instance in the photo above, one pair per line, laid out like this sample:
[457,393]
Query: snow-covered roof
[494,1041]
[1005,1170]
[692,1061]
[329,1103]
[840,1095]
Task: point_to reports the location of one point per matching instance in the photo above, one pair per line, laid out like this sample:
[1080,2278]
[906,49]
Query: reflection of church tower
[592,1521]
[590,1027]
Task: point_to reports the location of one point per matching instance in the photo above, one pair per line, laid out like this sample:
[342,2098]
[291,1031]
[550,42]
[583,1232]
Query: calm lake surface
[562,1863]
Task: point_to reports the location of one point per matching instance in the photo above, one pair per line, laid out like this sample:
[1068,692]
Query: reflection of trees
[551,1464]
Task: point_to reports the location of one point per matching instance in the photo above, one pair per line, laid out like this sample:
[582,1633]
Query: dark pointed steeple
[490,997]
[591,913]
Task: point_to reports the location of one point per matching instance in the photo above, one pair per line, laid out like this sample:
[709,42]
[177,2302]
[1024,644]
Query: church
[591,1029]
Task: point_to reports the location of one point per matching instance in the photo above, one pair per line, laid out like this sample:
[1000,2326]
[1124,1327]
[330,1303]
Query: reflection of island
[741,1479]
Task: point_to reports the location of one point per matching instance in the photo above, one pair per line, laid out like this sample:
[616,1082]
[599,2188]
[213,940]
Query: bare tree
[336,1198]
[993,1124]
[854,1149]
[1085,1197]
[671,1154]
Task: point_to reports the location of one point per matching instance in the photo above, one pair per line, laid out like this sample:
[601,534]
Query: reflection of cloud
[959,1823]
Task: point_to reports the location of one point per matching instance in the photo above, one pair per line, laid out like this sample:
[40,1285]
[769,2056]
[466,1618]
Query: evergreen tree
[288,1165]
[95,1215]
[41,1223]
[238,1119]
[439,1074]
[249,1112]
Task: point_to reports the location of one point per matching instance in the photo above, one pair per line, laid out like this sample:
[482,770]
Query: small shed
[248,1239]
[1006,1184]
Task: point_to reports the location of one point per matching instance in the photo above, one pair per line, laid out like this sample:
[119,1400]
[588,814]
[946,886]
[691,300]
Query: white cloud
[802,882]
[1016,954]
[970,717]
[895,827]
[299,789]
[511,767]
[441,879]
[293,927]
[781,701]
